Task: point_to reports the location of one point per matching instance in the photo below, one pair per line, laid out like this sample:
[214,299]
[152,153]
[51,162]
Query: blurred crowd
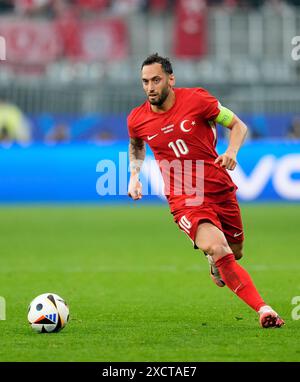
[52,8]
[17,128]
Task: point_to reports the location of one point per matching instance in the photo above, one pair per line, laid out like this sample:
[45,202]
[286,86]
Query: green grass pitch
[137,289]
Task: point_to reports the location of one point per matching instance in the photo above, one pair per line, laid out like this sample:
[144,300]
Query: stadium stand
[79,60]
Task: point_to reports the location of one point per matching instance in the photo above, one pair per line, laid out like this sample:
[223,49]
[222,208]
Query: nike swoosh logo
[237,234]
[236,289]
[152,136]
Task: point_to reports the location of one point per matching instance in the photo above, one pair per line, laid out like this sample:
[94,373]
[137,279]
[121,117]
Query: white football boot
[214,272]
[268,318]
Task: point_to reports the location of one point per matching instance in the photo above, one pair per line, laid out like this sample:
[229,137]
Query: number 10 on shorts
[185,224]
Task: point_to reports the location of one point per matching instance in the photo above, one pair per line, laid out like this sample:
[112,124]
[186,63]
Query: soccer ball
[48,313]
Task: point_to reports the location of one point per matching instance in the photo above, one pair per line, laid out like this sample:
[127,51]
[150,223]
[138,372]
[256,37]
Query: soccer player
[179,125]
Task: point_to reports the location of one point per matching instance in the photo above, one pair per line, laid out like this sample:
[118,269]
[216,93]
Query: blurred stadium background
[72,70]
[70,78]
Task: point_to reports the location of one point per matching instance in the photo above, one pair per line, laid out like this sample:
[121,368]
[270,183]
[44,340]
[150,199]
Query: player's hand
[227,160]
[135,188]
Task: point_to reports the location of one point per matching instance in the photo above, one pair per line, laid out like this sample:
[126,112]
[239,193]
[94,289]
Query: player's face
[156,83]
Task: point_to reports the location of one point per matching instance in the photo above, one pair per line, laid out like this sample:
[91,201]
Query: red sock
[238,280]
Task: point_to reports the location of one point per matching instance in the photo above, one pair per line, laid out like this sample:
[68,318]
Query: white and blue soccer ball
[48,313]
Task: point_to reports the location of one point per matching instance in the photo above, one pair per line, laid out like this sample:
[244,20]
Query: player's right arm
[137,153]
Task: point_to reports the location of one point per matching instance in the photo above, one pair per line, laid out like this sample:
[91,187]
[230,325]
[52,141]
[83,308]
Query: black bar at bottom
[133,370]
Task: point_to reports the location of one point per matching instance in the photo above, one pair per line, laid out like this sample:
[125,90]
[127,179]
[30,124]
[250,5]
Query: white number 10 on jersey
[179,147]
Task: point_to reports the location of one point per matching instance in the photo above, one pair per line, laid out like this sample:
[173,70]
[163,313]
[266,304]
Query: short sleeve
[209,105]
[130,128]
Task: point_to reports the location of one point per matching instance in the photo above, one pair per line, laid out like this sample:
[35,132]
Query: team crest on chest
[187,125]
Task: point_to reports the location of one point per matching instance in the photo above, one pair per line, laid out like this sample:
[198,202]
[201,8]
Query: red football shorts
[226,216]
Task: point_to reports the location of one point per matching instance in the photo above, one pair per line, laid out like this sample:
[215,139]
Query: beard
[161,99]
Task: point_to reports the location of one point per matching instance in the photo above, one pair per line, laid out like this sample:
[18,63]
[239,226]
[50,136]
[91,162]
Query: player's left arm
[238,132]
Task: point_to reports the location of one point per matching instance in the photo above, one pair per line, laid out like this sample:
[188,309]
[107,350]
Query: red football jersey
[185,133]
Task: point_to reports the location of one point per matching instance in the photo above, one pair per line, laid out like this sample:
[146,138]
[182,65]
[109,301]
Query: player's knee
[216,250]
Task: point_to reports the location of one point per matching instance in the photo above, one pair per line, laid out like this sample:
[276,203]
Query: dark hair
[164,61]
